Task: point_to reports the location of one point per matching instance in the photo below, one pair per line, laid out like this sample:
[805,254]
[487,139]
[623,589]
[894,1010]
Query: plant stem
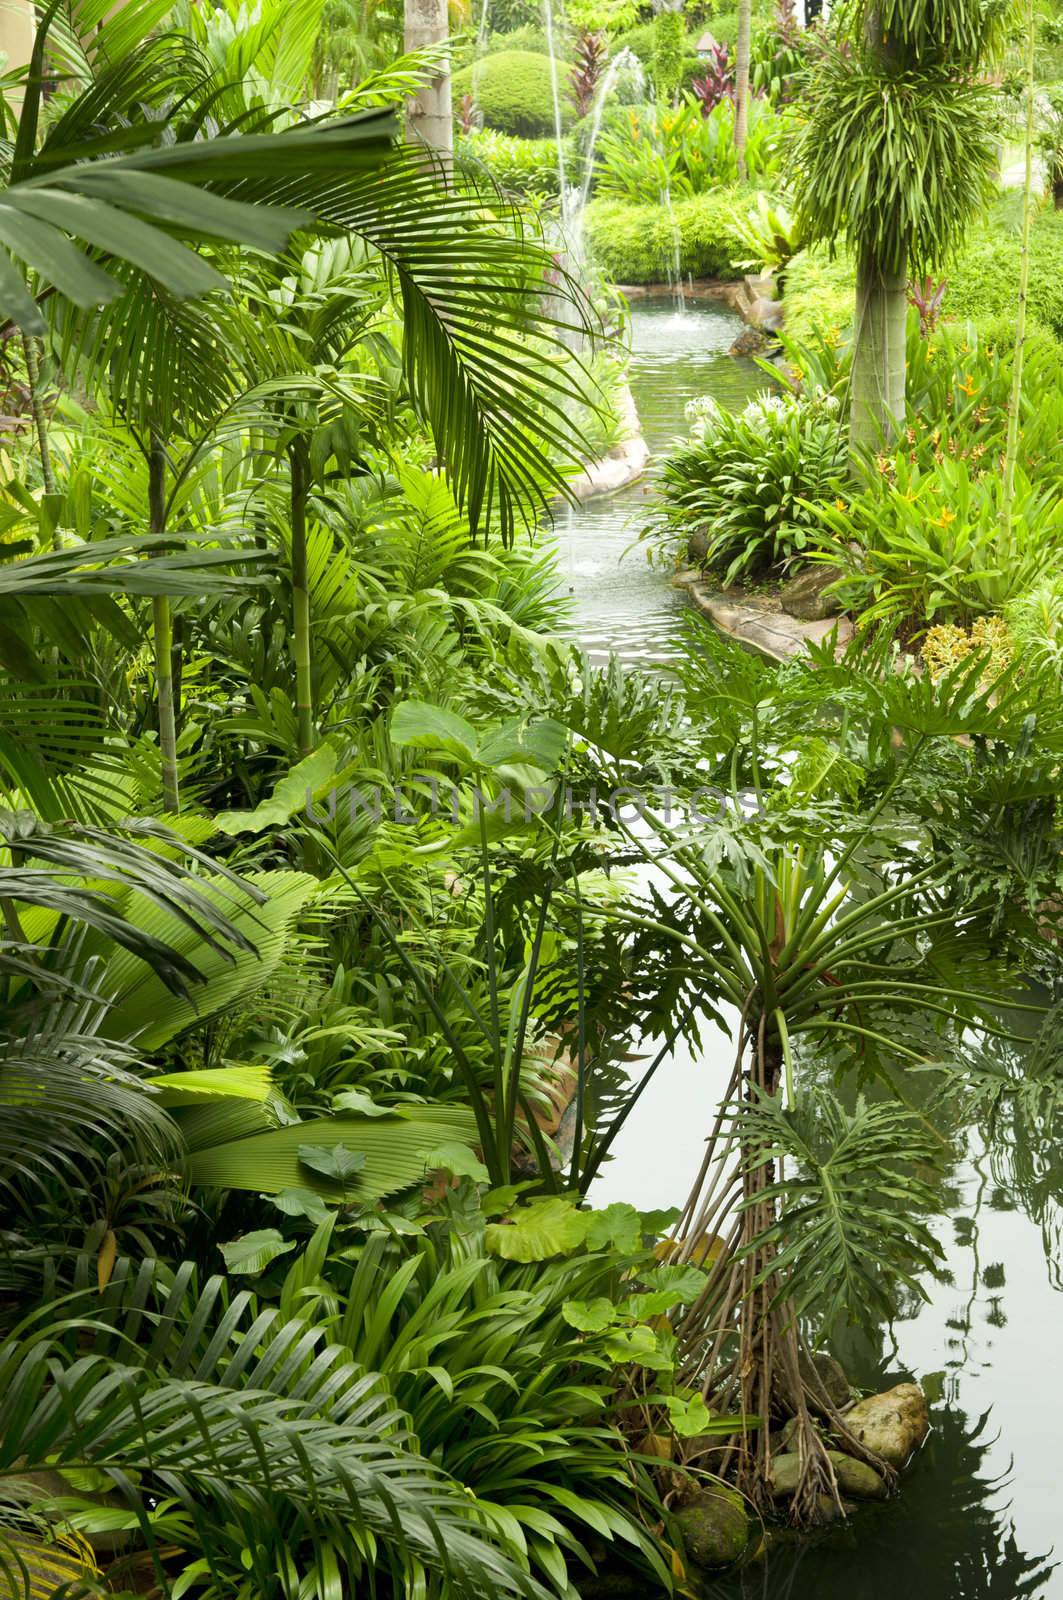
[304,693]
[40,421]
[162,629]
[1011,453]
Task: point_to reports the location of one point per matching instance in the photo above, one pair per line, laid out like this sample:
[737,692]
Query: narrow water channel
[981,1509]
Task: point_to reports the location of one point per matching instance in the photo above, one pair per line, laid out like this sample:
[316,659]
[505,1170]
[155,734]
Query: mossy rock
[715,1528]
[854,1477]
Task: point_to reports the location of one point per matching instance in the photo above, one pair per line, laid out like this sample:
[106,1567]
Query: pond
[980,1509]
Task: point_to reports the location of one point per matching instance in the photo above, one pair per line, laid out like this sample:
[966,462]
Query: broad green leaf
[618,1225]
[667,1287]
[459,1160]
[214,1083]
[641,1345]
[394,1147]
[358,1103]
[303,783]
[590,1316]
[415,722]
[253,1252]
[542,1228]
[301,1203]
[333,1161]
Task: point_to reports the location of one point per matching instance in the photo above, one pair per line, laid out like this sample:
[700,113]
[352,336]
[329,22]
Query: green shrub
[636,243]
[820,293]
[669,51]
[520,166]
[514,92]
[744,479]
[984,281]
[640,41]
[654,150]
[530,36]
[927,545]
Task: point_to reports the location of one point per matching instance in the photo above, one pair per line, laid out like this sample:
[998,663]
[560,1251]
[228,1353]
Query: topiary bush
[636,243]
[514,92]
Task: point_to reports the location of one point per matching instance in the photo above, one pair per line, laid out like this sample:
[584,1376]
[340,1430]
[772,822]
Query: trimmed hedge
[636,244]
[514,92]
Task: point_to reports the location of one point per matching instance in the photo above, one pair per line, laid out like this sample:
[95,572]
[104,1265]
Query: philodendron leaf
[429,727]
[667,1287]
[542,1228]
[590,1316]
[254,1251]
[618,1225]
[333,1161]
[301,785]
[357,1103]
[640,1344]
[301,1203]
[538,744]
[459,1160]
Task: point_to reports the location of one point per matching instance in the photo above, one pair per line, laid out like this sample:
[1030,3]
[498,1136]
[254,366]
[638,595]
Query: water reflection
[950,1536]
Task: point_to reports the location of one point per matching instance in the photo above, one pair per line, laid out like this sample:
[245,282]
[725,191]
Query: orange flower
[840,505]
[947,516]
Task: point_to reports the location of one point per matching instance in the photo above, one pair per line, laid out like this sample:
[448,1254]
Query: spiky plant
[897,154]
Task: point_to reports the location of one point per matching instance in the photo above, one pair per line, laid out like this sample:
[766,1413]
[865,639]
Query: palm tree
[742,54]
[430,116]
[898,153]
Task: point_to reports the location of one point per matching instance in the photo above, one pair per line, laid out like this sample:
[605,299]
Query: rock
[855,1478]
[750,342]
[891,1424]
[821,1375]
[697,546]
[768,315]
[803,596]
[715,1528]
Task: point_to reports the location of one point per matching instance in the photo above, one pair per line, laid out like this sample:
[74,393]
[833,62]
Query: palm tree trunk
[742,54]
[878,355]
[304,692]
[162,628]
[429,117]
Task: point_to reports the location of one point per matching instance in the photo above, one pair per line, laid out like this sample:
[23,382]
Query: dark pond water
[982,1508]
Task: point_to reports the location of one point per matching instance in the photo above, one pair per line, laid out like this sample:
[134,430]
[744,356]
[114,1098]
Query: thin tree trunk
[304,692]
[429,116]
[1011,454]
[878,390]
[742,54]
[162,629]
[40,422]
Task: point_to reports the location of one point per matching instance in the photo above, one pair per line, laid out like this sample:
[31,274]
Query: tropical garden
[380,933]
